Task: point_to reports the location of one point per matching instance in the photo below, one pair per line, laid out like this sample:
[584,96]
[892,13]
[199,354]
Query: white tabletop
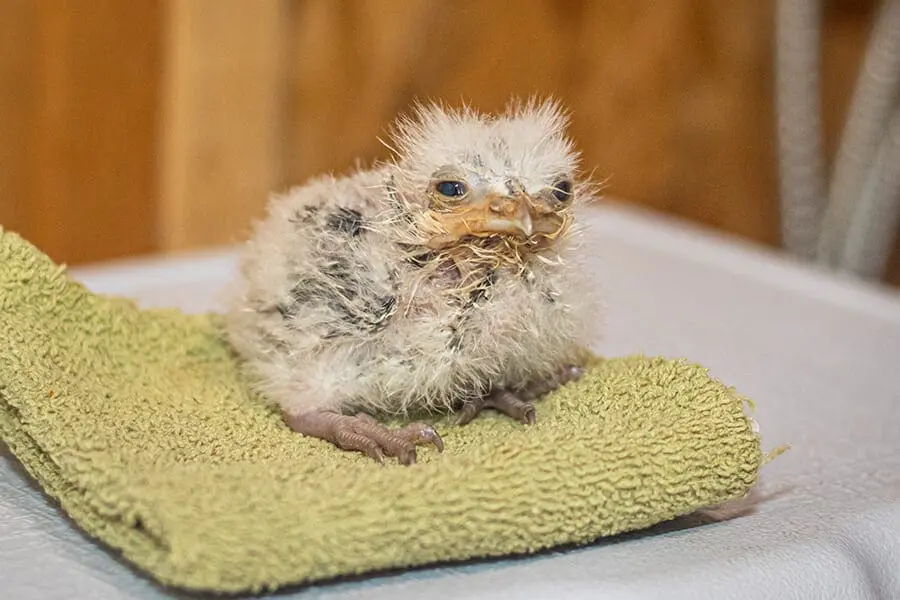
[819,354]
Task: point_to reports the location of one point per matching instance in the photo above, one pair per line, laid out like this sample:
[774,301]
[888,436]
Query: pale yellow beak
[512,216]
[492,215]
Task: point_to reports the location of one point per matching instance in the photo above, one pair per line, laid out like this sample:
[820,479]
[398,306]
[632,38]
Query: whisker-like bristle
[393,150]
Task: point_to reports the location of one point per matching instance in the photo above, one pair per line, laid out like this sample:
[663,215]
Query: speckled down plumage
[341,303]
[140,424]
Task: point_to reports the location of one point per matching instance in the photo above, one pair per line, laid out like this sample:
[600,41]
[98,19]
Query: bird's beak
[492,215]
[507,215]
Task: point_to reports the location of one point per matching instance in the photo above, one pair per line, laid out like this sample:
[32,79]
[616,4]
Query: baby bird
[443,280]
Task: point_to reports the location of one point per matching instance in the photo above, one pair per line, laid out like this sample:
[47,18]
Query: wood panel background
[79,87]
[671,101]
[161,125]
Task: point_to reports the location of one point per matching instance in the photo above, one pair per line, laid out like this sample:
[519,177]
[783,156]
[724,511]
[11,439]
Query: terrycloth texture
[140,424]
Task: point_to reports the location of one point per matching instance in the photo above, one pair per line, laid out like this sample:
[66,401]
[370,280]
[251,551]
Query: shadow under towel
[141,425]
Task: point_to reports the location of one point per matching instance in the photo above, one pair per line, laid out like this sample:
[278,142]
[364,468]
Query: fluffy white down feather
[338,305]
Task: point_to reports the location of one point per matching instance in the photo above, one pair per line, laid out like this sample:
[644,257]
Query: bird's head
[500,187]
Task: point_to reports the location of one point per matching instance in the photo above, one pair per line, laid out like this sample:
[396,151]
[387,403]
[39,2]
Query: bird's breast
[504,329]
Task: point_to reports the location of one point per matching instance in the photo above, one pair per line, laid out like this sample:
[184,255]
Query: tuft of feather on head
[527,141]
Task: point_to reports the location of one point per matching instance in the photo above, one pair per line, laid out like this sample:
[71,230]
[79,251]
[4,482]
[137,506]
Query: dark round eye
[451,189]
[562,190]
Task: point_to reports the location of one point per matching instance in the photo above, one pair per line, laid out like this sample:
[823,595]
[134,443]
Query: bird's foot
[518,404]
[503,400]
[363,433]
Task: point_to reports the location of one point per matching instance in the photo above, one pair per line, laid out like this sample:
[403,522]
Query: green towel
[139,423]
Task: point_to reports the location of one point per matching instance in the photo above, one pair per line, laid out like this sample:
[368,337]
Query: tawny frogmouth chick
[444,280]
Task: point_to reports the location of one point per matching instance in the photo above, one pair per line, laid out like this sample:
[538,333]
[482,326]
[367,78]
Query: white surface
[820,356]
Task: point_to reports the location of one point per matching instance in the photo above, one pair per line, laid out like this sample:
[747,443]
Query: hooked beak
[510,219]
[492,215]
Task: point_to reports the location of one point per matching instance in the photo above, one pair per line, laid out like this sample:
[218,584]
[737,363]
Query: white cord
[877,214]
[797,98]
[868,116]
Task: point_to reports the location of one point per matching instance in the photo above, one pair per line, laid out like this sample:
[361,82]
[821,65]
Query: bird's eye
[451,189]
[562,190]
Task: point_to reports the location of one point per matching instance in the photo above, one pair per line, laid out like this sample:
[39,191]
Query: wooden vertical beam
[222,120]
[77,173]
[17,27]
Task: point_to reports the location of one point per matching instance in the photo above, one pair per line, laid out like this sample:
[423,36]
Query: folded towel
[140,424]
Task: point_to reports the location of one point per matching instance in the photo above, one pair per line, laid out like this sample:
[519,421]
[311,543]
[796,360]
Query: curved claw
[431,435]
[529,416]
[420,433]
[515,407]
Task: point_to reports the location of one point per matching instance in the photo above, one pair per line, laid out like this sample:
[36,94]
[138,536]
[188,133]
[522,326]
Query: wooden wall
[671,100]
[158,125]
[79,89]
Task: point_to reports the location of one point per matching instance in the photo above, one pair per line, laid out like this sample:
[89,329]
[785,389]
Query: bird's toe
[348,439]
[510,404]
[362,433]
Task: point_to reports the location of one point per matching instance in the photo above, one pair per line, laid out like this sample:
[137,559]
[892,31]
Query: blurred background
[153,126]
